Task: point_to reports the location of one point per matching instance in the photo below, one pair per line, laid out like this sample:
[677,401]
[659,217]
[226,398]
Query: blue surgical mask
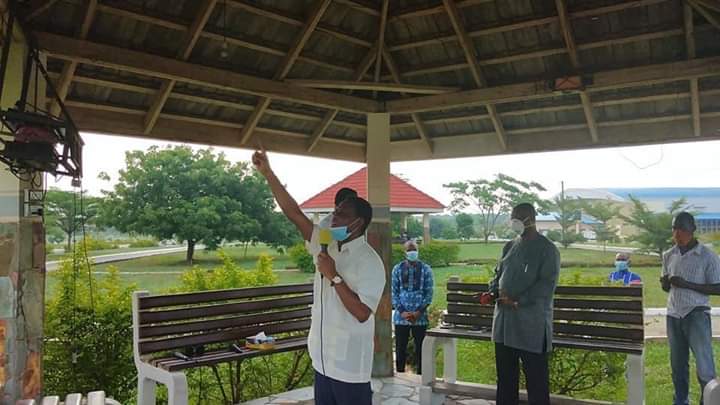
[412,255]
[339,233]
[621,265]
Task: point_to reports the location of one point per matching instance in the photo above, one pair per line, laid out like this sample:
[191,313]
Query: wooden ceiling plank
[691,54]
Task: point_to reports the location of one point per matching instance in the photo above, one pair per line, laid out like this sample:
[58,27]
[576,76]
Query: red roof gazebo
[404,198]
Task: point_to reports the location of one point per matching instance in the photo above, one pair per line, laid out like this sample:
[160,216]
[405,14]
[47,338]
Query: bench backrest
[165,323]
[613,314]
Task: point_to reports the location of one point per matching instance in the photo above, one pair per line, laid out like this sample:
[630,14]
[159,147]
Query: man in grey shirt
[690,273]
[523,289]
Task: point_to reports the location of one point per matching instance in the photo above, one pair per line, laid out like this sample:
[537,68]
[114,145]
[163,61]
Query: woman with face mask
[412,291]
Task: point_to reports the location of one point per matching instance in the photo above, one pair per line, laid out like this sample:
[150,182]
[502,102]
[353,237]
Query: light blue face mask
[621,265]
[412,255]
[339,233]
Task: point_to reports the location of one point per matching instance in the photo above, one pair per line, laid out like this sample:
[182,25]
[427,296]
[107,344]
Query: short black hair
[343,194]
[526,210]
[362,209]
[684,221]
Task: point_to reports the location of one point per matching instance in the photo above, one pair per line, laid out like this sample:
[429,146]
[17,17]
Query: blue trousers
[693,332]
[334,392]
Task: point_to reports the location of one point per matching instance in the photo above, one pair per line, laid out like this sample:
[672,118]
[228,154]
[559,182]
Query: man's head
[355,213]
[343,194]
[525,214]
[683,228]
[622,257]
[411,250]
[622,261]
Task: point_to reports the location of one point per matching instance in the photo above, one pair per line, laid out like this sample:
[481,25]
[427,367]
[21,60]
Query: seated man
[622,271]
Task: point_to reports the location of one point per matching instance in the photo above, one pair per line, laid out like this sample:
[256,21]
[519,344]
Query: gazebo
[404,199]
[370,81]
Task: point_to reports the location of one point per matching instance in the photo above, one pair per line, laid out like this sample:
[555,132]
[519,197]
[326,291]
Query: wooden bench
[608,319]
[214,320]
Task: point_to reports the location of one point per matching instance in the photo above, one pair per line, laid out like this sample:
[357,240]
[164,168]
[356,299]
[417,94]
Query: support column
[426,228]
[379,237]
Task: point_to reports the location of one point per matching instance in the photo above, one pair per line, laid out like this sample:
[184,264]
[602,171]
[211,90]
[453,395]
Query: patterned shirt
[412,290]
[627,277]
[698,265]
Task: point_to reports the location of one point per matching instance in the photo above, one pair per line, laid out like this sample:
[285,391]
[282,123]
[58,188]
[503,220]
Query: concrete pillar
[315,218]
[22,259]
[426,228]
[378,161]
[404,221]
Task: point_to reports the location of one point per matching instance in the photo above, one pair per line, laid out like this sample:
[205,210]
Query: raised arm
[287,204]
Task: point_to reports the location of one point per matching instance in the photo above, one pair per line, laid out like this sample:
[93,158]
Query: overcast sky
[672,165]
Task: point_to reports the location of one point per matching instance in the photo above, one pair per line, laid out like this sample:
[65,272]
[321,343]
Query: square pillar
[379,237]
[426,228]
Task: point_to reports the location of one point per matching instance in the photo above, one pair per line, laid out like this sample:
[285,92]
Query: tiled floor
[399,390]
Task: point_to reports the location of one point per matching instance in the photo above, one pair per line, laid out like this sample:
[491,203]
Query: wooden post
[426,228]
[378,161]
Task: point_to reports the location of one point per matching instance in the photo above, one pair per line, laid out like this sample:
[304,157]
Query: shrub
[91,244]
[439,254]
[228,275]
[302,258]
[398,254]
[143,243]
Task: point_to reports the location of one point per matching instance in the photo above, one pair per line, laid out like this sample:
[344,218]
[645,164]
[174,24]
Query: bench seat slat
[574,303]
[221,295]
[600,291]
[147,317]
[631,318]
[230,335]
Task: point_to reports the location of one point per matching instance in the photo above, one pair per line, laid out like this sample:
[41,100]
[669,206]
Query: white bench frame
[634,365]
[148,375]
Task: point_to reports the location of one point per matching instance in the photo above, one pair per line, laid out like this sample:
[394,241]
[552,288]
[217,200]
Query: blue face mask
[621,265]
[412,255]
[339,233]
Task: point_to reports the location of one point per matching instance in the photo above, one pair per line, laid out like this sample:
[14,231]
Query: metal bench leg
[146,391]
[636,379]
[178,389]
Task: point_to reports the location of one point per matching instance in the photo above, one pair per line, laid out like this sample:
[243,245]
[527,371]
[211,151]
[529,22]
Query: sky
[671,165]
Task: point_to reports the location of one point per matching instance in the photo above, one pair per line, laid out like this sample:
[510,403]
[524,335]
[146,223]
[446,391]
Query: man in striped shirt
[690,273]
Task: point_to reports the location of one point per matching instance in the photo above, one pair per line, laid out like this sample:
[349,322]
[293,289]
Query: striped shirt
[699,265]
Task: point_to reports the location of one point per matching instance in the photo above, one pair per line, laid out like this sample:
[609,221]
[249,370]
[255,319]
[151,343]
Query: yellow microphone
[325,238]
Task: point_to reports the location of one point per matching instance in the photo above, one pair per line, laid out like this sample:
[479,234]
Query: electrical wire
[639,167]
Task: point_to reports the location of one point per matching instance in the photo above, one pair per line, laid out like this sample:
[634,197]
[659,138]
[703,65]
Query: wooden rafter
[93,53]
[691,54]
[63,84]
[191,37]
[417,122]
[381,41]
[566,27]
[37,7]
[285,66]
[705,12]
[360,72]
[360,6]
[357,85]
[472,60]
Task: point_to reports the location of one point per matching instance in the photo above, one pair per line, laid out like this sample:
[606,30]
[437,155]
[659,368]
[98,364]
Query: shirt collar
[352,244]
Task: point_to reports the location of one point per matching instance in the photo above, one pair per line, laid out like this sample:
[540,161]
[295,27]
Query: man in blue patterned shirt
[412,291]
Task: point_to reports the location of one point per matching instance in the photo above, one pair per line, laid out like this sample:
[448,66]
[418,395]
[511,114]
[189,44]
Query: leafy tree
[567,214]
[494,198]
[450,233]
[465,227]
[655,228]
[438,225]
[192,196]
[65,212]
[603,212]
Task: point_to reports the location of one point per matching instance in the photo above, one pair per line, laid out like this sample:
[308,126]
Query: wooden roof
[459,77]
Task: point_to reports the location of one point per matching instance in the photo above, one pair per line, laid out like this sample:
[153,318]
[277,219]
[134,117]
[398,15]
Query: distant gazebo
[404,199]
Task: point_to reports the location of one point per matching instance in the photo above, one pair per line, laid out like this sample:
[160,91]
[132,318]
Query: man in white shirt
[340,196]
[347,290]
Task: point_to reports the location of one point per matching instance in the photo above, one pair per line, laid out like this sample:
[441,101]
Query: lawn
[477,365]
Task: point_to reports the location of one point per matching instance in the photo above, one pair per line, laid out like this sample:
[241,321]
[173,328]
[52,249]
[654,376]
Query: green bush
[302,258]
[228,275]
[97,334]
[439,254]
[143,243]
[398,254]
[91,244]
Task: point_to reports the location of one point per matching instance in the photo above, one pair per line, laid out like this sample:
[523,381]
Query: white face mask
[517,226]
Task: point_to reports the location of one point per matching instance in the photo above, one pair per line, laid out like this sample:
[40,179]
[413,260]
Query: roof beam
[604,80]
[705,13]
[359,6]
[356,85]
[285,66]
[191,37]
[691,54]
[566,27]
[63,84]
[37,7]
[417,122]
[472,60]
[381,42]
[92,53]
[331,114]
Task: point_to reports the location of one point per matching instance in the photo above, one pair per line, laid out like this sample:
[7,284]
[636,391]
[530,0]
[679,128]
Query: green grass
[477,365]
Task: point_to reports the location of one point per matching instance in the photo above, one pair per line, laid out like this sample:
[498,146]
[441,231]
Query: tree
[414,226]
[192,196]
[655,228]
[465,226]
[66,211]
[438,224]
[603,212]
[494,198]
[567,214]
